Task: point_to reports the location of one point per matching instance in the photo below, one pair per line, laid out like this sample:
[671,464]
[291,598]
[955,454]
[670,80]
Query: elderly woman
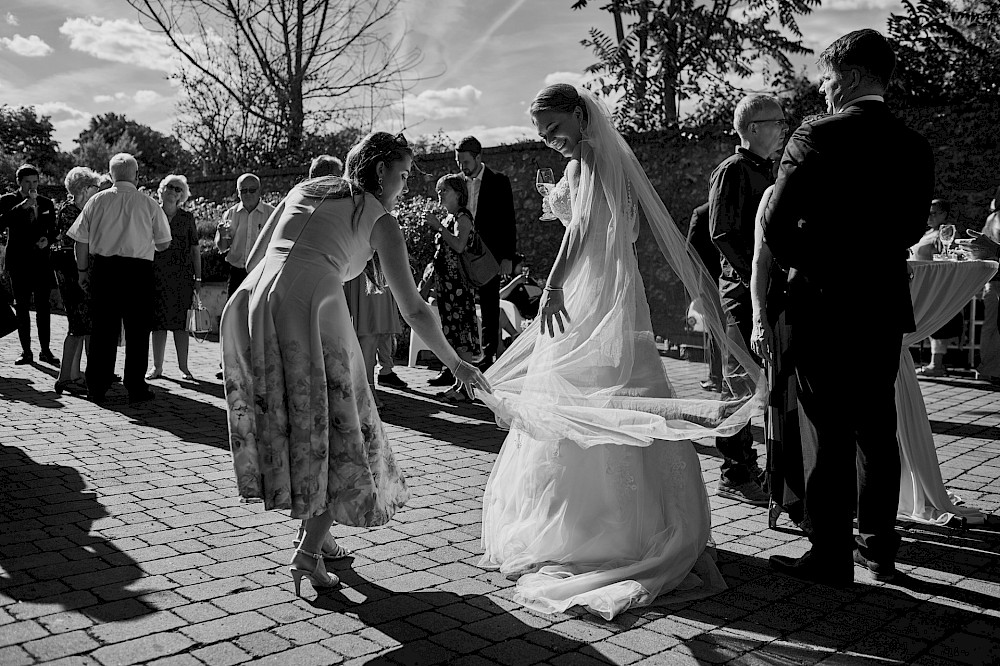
[176,275]
[456,297]
[81,184]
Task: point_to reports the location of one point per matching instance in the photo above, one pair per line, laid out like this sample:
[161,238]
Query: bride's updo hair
[363,158]
[561,97]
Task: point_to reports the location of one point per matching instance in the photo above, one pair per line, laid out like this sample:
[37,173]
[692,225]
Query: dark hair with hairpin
[362,160]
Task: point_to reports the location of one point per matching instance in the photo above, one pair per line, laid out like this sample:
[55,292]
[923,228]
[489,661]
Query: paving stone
[142,649]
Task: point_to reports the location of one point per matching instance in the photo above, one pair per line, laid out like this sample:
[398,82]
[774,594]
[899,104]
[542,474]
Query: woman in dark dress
[456,299]
[176,275]
[81,184]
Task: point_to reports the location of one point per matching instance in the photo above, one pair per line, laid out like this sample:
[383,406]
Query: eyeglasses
[174,188]
[780,121]
[249,190]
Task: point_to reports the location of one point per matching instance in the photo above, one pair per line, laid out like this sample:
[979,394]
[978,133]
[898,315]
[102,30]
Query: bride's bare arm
[552,308]
[388,241]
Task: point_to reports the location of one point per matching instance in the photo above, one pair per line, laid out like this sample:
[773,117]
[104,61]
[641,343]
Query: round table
[939,290]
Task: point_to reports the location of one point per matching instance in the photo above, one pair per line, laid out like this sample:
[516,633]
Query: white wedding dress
[597,496]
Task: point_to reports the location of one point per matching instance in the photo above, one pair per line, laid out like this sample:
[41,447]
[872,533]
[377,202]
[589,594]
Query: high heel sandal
[331,550]
[318,576]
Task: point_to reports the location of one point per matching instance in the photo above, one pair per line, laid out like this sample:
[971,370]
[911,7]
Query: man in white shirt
[240,226]
[117,235]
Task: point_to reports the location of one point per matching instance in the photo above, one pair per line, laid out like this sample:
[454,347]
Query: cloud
[119,40]
[495,136]
[140,97]
[438,104]
[30,47]
[572,78]
[66,119]
[11,19]
[850,5]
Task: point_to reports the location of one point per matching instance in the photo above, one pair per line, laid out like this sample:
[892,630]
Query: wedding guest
[491,205]
[989,340]
[30,221]
[305,434]
[106,181]
[326,165]
[240,226]
[863,167]
[176,276]
[456,300]
[81,184]
[737,185]
[700,239]
[925,249]
[117,234]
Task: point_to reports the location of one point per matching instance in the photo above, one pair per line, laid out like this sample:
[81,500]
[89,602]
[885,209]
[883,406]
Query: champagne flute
[947,235]
[545,182]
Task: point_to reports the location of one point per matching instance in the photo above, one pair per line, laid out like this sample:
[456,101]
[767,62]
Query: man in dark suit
[492,204]
[857,169]
[30,221]
[700,239]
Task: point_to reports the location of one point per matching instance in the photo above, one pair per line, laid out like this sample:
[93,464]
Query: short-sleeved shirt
[121,222]
[245,226]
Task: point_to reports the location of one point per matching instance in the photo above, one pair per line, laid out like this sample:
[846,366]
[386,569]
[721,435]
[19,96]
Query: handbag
[199,321]
[478,263]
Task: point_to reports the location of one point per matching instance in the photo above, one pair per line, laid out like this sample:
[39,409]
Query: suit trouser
[850,452]
[25,282]
[121,294]
[714,361]
[989,341]
[489,304]
[236,277]
[739,458]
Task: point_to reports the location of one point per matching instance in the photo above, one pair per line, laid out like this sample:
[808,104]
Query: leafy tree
[664,51]
[27,137]
[158,154]
[946,52]
[266,73]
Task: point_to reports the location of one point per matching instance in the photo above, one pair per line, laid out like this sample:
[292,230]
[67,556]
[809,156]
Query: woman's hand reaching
[471,378]
[553,307]
[762,341]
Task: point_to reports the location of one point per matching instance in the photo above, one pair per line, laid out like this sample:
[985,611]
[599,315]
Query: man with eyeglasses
[240,226]
[116,236]
[737,185]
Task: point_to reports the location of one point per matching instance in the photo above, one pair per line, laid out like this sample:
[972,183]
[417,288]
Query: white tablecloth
[939,290]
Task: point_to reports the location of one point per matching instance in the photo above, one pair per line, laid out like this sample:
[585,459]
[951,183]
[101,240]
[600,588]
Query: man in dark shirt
[30,221]
[737,186]
[700,240]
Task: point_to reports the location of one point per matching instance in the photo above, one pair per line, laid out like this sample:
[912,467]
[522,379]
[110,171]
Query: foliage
[419,238]
[258,76]
[946,53]
[27,137]
[158,154]
[671,50]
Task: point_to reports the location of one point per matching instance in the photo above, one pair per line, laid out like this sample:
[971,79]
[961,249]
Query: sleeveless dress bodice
[560,202]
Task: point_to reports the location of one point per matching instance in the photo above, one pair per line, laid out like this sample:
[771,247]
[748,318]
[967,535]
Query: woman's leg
[71,349]
[78,357]
[317,530]
[181,339]
[159,339]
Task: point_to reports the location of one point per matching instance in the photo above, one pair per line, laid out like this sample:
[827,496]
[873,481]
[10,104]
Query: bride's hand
[471,377]
[762,341]
[553,307]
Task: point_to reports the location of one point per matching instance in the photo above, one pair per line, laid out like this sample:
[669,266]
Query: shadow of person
[33,393]
[456,625]
[48,557]
[421,412]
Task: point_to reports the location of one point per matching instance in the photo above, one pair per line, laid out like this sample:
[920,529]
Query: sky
[482,60]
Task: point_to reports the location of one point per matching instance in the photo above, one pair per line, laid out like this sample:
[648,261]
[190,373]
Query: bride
[597,498]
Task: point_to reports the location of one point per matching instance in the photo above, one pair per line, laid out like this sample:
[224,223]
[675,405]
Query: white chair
[417,345]
[513,314]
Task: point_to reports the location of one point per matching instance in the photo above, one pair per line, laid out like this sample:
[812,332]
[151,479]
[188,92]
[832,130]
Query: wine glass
[947,235]
[545,182]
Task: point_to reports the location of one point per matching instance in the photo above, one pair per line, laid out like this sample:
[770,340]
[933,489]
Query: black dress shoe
[25,358]
[813,569]
[393,380]
[444,378]
[881,571]
[45,356]
[71,386]
[140,397]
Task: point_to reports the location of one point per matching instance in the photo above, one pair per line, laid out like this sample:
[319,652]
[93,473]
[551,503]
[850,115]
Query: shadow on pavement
[458,623]
[45,560]
[191,420]
[965,430]
[421,412]
[36,394]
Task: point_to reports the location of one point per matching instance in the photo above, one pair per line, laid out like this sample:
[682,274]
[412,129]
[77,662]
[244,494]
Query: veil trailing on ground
[602,381]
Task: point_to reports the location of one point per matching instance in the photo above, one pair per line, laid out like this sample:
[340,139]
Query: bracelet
[455,371]
[548,288]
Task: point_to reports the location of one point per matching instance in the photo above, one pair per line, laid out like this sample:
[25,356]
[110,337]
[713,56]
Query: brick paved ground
[122,541]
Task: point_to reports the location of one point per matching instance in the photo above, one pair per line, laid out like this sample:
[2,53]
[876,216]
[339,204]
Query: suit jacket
[23,232]
[700,239]
[495,215]
[851,197]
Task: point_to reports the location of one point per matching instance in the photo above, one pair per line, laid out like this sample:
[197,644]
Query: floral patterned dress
[456,298]
[304,431]
[75,301]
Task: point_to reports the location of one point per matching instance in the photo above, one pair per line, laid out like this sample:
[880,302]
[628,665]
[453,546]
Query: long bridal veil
[597,384]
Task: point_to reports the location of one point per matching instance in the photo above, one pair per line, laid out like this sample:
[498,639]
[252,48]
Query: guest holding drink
[456,300]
